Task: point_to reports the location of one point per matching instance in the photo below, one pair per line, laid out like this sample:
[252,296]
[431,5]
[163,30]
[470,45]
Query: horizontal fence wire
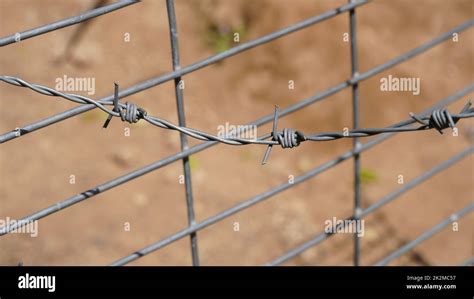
[433,118]
[426,235]
[21,36]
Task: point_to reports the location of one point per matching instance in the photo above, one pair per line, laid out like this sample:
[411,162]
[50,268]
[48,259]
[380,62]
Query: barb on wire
[130,113]
[116,106]
[440,119]
[287,139]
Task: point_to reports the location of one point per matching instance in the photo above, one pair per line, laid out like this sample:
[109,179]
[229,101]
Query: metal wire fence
[435,117]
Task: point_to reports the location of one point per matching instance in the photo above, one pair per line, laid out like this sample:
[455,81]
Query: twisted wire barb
[439,119]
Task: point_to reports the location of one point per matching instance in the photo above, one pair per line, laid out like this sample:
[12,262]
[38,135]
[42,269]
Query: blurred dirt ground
[35,169]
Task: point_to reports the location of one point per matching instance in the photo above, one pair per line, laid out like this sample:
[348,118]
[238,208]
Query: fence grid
[435,117]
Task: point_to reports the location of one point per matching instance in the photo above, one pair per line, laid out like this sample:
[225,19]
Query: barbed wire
[439,119]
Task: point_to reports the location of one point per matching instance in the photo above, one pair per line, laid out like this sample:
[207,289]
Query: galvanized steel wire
[439,119]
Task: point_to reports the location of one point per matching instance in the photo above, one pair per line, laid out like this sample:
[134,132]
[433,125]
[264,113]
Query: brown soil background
[35,169]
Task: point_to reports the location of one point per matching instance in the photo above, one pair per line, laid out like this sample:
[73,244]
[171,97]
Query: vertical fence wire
[173,28]
[356,141]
